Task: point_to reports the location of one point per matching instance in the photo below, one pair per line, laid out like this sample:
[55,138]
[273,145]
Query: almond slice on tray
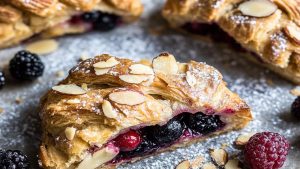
[127,97]
[243,139]
[232,164]
[184,165]
[43,46]
[71,89]
[111,62]
[219,156]
[258,8]
[165,63]
[141,69]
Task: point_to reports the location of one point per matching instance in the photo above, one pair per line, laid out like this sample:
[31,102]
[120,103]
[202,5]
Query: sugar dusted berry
[13,159]
[266,150]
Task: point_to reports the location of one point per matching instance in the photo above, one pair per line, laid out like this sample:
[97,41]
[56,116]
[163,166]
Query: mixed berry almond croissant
[267,28]
[109,111]
[22,19]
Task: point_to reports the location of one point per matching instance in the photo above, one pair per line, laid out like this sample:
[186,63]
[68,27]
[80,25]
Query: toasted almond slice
[101,71]
[243,139]
[232,164]
[197,162]
[108,109]
[70,132]
[165,63]
[293,31]
[136,79]
[258,8]
[98,158]
[111,62]
[190,78]
[84,86]
[140,69]
[209,166]
[295,91]
[220,156]
[184,165]
[127,97]
[43,46]
[69,89]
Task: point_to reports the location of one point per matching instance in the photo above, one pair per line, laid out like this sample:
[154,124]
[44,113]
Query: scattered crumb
[60,73]
[158,30]
[243,139]
[209,166]
[18,100]
[197,162]
[270,82]
[83,57]
[295,91]
[232,164]
[224,145]
[219,156]
[184,165]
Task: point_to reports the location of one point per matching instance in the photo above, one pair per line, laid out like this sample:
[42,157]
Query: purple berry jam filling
[97,20]
[181,127]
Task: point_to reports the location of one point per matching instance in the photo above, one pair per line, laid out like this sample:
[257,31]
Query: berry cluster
[13,159]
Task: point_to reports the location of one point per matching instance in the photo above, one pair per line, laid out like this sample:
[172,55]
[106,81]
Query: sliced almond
[101,71]
[140,69]
[184,165]
[190,78]
[243,139]
[84,86]
[293,31]
[295,91]
[258,8]
[71,89]
[135,79]
[209,166]
[127,97]
[108,109]
[197,162]
[232,164]
[98,158]
[165,63]
[43,46]
[111,62]
[219,156]
[70,132]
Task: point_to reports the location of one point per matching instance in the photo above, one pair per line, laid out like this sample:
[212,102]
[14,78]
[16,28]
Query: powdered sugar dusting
[242,19]
[270,103]
[279,43]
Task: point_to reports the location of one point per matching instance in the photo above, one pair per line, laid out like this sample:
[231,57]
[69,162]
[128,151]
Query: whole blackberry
[167,133]
[106,22]
[2,80]
[26,66]
[90,16]
[13,159]
[295,109]
[266,150]
[204,124]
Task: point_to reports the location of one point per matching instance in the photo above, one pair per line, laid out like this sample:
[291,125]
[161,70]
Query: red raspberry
[128,141]
[266,150]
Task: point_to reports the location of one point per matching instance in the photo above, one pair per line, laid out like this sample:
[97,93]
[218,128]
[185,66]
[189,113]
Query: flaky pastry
[109,111]
[268,28]
[21,19]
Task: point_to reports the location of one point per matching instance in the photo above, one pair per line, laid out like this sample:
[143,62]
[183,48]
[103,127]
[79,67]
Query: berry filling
[96,20]
[149,139]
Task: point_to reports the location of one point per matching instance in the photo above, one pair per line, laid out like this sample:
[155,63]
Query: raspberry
[296,108]
[2,80]
[128,141]
[26,66]
[13,159]
[266,150]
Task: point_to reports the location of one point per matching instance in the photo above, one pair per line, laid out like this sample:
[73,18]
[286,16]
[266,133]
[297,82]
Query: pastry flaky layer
[270,29]
[105,96]
[21,19]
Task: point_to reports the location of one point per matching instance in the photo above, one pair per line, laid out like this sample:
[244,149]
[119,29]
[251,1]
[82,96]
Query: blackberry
[167,133]
[90,16]
[13,159]
[201,123]
[106,22]
[26,66]
[2,80]
[295,109]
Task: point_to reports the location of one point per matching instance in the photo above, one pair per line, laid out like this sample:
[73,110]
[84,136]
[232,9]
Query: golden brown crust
[21,19]
[191,87]
[274,38]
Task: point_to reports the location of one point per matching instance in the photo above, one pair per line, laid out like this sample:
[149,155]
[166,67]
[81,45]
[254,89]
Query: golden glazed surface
[20,19]
[189,86]
[273,38]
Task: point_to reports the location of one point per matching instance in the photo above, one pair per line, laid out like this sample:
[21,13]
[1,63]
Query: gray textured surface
[19,123]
